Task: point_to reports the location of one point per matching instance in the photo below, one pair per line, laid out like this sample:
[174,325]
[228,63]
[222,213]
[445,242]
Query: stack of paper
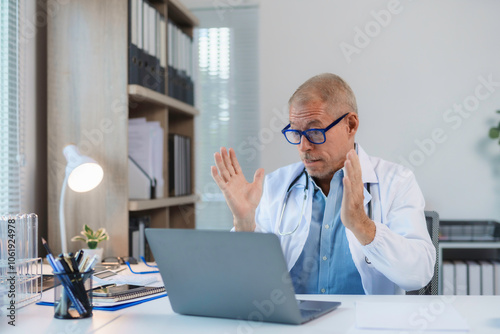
[146,164]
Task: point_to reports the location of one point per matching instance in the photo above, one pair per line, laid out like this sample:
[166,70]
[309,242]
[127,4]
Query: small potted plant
[92,239]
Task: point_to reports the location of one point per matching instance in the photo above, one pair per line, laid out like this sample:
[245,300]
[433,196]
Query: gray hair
[328,88]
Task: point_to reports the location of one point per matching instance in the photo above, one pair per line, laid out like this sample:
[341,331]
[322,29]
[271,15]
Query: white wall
[426,60]
[407,79]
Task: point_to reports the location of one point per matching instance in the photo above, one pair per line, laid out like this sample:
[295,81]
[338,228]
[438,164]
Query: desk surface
[482,313]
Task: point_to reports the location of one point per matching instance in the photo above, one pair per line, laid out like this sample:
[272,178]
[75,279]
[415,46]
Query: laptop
[236,275]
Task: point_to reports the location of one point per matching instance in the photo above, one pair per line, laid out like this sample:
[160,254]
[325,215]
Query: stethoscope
[306,188]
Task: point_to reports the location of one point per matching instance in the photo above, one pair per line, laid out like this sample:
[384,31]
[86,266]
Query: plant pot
[91,252]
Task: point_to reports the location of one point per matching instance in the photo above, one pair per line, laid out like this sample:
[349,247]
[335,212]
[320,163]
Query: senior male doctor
[348,223]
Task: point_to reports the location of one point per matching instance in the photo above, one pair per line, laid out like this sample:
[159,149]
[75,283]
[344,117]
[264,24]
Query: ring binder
[136,292]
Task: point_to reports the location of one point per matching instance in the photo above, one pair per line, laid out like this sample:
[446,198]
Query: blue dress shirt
[325,265]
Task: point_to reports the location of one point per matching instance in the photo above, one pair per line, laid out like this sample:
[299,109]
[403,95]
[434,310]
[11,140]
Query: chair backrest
[432,220]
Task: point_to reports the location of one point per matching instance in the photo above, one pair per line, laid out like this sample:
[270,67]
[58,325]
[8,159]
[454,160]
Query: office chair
[432,220]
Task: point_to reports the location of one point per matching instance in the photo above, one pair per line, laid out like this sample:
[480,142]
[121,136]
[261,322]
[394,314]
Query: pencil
[46,245]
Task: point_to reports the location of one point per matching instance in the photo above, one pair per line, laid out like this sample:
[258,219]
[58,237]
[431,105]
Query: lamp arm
[62,224]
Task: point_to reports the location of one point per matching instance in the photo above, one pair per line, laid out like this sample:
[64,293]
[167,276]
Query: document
[435,315]
[146,149]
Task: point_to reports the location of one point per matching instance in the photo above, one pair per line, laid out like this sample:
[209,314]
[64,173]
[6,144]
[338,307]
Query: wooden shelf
[181,14]
[142,94]
[69,116]
[147,204]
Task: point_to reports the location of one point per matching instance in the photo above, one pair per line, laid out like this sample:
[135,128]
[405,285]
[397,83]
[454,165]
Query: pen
[91,263]
[79,256]
[46,245]
[74,263]
[83,263]
[79,278]
[59,269]
[75,278]
[72,284]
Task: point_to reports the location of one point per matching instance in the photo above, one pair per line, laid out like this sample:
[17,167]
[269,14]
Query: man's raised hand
[241,196]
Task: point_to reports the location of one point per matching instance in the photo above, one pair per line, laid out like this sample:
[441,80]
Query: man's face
[321,160]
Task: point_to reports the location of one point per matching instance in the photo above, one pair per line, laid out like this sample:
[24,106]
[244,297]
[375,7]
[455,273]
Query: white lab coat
[402,255]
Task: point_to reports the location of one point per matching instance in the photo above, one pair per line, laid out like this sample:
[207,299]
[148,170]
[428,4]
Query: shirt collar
[337,180]
[367,171]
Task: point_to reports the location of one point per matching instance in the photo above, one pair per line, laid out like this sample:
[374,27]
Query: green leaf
[498,111]
[78,238]
[87,229]
[494,133]
[99,232]
[103,237]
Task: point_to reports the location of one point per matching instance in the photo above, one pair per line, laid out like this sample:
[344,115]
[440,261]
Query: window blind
[10,190]
[226,79]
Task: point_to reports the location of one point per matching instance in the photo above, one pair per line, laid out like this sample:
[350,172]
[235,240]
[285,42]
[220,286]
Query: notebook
[127,292]
[235,275]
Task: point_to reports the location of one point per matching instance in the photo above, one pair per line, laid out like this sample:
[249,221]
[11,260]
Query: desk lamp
[82,174]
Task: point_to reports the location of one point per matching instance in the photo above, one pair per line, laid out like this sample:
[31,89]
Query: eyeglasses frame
[304,133]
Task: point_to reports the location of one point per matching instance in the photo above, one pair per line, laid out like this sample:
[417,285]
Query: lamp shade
[83,172]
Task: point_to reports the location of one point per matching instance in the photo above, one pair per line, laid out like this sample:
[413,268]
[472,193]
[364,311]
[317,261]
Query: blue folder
[113,308]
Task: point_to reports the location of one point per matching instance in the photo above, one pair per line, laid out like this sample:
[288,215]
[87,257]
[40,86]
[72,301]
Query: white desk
[482,313]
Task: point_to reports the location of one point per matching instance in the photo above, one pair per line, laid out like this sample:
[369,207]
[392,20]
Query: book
[487,278]
[448,278]
[474,278]
[122,293]
[461,284]
[179,149]
[496,275]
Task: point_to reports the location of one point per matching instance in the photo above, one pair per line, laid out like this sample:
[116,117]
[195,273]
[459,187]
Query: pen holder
[73,295]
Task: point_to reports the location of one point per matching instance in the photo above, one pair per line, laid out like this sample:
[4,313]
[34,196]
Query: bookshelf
[90,103]
[466,250]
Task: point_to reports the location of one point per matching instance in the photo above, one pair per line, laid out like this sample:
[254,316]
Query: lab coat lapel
[367,173]
[293,244]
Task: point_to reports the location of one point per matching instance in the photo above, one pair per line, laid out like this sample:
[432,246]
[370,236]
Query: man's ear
[352,123]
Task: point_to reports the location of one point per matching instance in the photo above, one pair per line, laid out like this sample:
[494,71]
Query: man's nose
[305,144]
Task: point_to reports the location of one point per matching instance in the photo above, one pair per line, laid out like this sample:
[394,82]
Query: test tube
[3,245]
[21,238]
[33,235]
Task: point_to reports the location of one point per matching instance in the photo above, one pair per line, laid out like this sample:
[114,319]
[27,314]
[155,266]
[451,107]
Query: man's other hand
[352,213]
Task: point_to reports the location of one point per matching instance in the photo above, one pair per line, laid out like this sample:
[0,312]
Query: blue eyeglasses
[315,136]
